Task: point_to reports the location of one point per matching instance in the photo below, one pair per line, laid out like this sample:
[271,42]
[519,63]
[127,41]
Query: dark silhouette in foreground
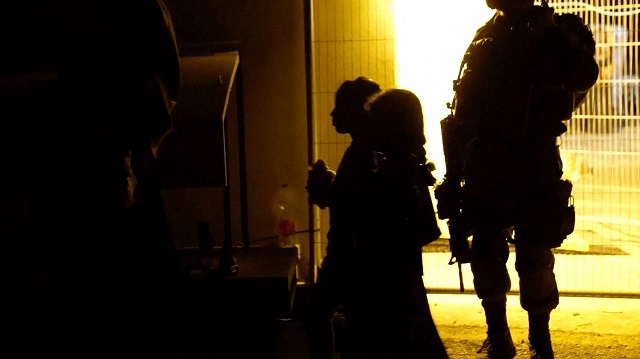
[87,265]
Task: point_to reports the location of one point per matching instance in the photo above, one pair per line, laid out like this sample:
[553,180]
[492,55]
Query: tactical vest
[514,85]
[516,89]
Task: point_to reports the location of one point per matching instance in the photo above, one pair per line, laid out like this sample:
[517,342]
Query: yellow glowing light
[431,38]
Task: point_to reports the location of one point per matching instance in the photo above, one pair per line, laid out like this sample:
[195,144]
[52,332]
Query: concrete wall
[269,35]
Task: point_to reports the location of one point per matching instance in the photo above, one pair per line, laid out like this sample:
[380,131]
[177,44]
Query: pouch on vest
[559,220]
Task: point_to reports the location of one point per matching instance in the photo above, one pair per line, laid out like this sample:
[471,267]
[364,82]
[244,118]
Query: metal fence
[601,155]
[601,149]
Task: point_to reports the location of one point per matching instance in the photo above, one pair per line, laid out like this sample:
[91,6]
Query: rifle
[449,192]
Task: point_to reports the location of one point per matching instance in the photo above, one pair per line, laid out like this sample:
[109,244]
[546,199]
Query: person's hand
[319,182]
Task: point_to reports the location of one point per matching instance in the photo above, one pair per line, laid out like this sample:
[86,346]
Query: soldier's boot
[539,336]
[498,344]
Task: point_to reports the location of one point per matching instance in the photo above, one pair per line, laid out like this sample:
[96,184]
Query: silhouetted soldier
[524,73]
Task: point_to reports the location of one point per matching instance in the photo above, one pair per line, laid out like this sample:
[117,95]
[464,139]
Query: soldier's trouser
[534,264]
[538,287]
[490,252]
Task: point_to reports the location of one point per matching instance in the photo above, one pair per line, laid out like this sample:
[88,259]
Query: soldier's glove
[458,241]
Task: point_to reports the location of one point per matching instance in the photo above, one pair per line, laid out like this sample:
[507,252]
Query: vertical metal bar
[242,156]
[311,150]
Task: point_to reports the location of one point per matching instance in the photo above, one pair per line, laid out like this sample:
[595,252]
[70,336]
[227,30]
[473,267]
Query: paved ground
[582,327]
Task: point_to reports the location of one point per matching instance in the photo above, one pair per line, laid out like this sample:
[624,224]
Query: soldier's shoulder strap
[485,28]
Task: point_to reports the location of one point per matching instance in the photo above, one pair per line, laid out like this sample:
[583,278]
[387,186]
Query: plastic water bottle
[286,223]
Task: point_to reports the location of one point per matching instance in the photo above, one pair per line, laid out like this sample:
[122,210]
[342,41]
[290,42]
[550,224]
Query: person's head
[349,113]
[397,122]
[508,6]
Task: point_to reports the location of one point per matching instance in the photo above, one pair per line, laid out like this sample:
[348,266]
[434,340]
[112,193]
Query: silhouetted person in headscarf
[388,315]
[341,196]
[86,91]
[524,73]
